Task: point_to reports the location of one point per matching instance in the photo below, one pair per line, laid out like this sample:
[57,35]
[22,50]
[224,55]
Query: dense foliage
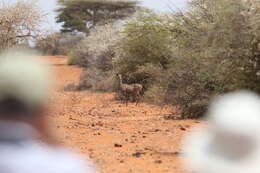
[184,58]
[146,49]
[217,52]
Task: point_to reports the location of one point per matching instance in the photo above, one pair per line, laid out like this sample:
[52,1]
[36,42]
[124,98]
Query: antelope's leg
[138,98]
[125,100]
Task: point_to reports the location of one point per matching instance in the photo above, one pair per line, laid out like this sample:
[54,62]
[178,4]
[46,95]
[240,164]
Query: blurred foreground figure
[24,87]
[231,140]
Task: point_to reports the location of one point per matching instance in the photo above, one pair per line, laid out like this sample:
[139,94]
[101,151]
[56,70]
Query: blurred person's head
[231,141]
[24,95]
[24,89]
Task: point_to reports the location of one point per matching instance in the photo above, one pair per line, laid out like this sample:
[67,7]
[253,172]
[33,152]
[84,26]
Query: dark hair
[11,107]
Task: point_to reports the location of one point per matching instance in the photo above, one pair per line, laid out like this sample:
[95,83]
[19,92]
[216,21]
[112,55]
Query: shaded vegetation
[58,43]
[181,58]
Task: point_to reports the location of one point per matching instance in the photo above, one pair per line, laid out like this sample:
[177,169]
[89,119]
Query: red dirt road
[118,139]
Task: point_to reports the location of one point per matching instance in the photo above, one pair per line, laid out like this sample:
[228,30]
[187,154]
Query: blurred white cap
[24,76]
[237,112]
[231,140]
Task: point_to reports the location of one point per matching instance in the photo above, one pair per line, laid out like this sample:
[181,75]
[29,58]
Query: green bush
[73,59]
[146,49]
[215,41]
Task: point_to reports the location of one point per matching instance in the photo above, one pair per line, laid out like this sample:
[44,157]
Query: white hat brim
[199,158]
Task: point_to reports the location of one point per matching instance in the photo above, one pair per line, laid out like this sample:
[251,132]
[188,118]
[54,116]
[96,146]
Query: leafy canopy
[82,15]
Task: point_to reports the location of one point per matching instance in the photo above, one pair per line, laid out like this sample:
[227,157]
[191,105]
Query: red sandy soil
[118,139]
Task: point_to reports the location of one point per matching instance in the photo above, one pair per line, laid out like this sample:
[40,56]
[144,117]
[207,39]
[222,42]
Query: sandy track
[117,138]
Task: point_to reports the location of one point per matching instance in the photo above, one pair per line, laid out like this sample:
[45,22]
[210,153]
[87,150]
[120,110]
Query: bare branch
[19,23]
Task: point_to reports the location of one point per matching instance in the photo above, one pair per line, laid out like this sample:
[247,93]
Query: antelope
[130,89]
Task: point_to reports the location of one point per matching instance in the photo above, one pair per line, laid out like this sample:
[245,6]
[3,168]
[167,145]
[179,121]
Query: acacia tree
[19,23]
[82,15]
